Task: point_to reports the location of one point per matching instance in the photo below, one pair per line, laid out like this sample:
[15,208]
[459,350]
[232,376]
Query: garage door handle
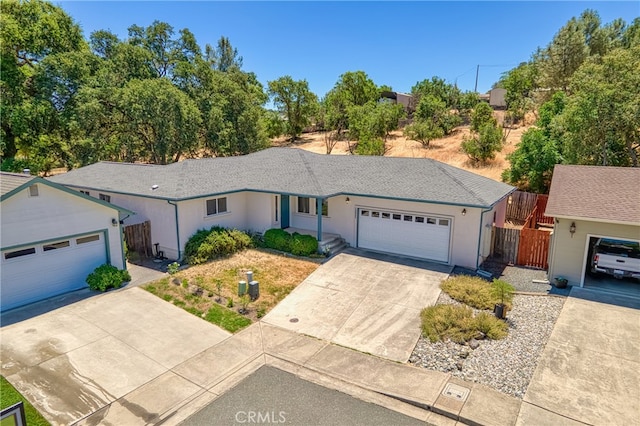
[619,260]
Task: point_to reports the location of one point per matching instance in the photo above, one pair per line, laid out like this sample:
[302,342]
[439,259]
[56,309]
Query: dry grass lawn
[195,288]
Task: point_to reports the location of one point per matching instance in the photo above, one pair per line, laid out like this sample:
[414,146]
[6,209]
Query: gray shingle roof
[296,172]
[595,192]
[11,181]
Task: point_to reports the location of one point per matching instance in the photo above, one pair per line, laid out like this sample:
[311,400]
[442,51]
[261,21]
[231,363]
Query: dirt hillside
[445,149]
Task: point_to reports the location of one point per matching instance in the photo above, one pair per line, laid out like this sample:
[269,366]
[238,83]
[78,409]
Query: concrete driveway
[589,371]
[365,301]
[75,360]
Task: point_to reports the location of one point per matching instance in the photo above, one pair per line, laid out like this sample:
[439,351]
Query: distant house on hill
[495,98]
[405,99]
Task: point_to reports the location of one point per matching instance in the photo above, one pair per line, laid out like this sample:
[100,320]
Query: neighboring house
[497,98]
[588,203]
[52,238]
[404,99]
[409,206]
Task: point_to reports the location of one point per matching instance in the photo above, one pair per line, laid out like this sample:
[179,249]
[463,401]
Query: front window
[216,206]
[303,205]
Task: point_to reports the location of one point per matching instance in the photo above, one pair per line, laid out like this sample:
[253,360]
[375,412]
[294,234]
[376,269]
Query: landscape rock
[506,365]
[474,344]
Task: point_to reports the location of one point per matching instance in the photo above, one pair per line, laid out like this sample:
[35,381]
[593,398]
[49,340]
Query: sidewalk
[430,396]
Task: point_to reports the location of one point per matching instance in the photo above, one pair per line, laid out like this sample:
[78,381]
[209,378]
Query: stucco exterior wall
[56,214]
[342,220]
[568,253]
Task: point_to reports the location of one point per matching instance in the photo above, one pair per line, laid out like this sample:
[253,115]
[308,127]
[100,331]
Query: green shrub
[370,146]
[278,239]
[173,268]
[491,326]
[107,276]
[303,245]
[475,291]
[298,244]
[458,324]
[216,242]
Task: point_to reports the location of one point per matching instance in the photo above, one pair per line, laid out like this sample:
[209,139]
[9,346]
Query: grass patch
[472,291]
[278,275]
[227,319]
[11,396]
[458,324]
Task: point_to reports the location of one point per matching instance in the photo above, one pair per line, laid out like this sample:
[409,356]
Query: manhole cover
[293,320]
[455,391]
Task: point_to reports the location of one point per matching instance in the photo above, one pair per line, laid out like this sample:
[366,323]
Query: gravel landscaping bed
[506,365]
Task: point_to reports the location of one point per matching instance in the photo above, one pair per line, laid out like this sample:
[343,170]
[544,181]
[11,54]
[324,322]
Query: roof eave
[592,219]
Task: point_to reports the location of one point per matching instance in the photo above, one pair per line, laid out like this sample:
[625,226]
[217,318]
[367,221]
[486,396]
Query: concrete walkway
[365,301]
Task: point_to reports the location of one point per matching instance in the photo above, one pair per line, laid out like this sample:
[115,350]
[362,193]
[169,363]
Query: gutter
[175,206]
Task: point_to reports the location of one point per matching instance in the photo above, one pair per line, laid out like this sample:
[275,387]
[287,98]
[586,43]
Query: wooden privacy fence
[533,248]
[528,246]
[138,238]
[520,205]
[504,244]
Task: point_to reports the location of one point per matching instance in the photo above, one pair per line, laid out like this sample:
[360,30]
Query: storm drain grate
[455,391]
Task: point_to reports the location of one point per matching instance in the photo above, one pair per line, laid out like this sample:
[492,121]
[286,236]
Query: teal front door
[284,208]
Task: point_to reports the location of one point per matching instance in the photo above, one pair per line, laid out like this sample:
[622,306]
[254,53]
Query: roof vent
[154,187]
[26,171]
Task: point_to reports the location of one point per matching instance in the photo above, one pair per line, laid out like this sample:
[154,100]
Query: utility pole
[475,89]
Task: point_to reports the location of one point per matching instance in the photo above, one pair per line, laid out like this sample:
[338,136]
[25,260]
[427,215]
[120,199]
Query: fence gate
[138,238]
[504,245]
[533,248]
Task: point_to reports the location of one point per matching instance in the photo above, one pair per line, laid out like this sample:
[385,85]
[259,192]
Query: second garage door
[417,235]
[39,271]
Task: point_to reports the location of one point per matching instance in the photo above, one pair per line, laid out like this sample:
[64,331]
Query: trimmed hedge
[298,244]
[107,276]
[206,245]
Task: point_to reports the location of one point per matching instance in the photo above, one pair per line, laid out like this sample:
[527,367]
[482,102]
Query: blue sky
[395,43]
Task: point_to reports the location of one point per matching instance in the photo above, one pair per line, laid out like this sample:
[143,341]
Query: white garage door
[33,273]
[418,235]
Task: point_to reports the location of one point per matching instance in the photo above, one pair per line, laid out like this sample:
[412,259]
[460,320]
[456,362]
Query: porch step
[333,246]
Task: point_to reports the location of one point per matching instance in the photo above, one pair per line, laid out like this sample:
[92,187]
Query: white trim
[586,251]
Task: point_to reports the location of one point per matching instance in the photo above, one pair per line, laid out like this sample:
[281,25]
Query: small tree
[330,141]
[423,132]
[370,146]
[484,145]
[482,114]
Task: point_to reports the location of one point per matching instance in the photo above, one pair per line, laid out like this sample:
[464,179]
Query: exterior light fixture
[464,212]
[347,200]
[114,222]
[572,229]
[510,199]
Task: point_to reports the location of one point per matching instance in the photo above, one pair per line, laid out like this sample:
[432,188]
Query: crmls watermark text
[261,417]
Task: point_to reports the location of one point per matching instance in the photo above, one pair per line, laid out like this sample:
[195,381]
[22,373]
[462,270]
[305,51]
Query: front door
[284,211]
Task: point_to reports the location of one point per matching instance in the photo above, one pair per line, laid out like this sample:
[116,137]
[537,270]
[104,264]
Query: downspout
[319,213]
[175,207]
[124,258]
[480,235]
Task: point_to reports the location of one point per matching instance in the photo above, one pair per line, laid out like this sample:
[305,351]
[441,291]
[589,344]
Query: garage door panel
[390,232]
[48,273]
